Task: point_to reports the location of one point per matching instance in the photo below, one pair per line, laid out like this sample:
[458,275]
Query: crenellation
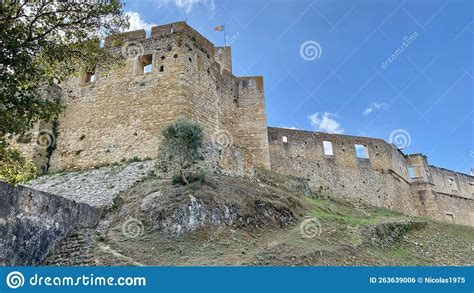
[131,36]
[223,56]
[178,73]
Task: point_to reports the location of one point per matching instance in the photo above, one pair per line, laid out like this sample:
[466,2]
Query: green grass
[335,210]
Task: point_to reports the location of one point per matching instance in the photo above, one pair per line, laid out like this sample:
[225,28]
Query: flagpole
[225,35]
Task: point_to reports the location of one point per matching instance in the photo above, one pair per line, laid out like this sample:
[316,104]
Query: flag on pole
[219,28]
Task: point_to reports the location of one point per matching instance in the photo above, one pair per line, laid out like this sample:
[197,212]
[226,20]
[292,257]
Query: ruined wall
[383,178]
[376,180]
[442,194]
[33,222]
[176,72]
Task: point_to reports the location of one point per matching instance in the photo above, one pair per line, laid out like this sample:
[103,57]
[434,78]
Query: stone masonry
[383,176]
[178,72]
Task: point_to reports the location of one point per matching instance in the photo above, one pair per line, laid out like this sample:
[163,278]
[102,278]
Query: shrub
[14,168]
[181,145]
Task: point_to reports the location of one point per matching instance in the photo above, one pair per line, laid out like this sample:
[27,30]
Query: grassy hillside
[267,228]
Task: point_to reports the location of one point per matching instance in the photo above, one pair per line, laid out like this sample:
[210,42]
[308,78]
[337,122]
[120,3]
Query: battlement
[177,72]
[222,55]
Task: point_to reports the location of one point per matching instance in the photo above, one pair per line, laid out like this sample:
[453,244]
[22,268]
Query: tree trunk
[183,177]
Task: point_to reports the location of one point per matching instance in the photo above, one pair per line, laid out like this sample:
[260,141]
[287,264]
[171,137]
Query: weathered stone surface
[97,187]
[119,116]
[33,222]
[220,201]
[382,179]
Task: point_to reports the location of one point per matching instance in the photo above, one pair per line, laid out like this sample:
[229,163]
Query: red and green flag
[219,28]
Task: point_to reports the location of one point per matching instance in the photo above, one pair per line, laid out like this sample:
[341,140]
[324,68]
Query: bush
[180,149]
[14,168]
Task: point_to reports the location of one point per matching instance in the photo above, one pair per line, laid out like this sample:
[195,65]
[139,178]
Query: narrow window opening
[328,151]
[145,64]
[162,68]
[190,60]
[450,218]
[175,56]
[148,68]
[452,184]
[163,57]
[361,151]
[89,77]
[414,172]
[285,139]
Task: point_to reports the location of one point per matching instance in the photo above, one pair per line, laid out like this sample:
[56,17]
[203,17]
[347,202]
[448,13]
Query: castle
[178,72]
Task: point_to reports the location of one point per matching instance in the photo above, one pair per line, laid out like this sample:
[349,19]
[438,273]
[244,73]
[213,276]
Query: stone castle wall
[441,194]
[119,116]
[33,222]
[381,178]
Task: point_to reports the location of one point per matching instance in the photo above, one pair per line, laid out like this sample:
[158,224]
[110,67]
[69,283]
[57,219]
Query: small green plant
[180,149]
[133,160]
[14,168]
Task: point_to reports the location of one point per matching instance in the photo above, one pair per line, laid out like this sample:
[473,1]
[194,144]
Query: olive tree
[181,145]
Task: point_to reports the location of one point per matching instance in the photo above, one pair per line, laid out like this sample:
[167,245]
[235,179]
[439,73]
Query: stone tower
[175,72]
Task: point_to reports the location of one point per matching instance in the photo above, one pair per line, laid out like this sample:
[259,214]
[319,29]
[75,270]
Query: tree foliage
[14,168]
[42,43]
[181,145]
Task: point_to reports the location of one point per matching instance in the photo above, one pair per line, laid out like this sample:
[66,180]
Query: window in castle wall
[328,151]
[148,68]
[162,68]
[89,77]
[452,184]
[145,64]
[284,139]
[361,151]
[449,218]
[414,172]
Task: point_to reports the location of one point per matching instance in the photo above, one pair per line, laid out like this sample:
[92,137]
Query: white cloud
[375,106]
[292,127]
[188,5]
[137,22]
[326,122]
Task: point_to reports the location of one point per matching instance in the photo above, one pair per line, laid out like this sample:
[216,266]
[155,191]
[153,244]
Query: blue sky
[397,70]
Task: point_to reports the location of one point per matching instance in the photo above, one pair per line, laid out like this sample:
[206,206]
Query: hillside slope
[275,221]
